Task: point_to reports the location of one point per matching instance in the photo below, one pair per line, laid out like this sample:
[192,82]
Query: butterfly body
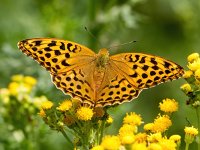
[99,79]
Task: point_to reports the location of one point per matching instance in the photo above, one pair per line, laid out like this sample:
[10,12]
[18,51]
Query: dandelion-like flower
[109,120]
[65,106]
[155,146]
[98,147]
[197,74]
[186,88]
[84,113]
[141,137]
[99,112]
[111,142]
[192,57]
[167,144]
[127,139]
[194,65]
[187,74]
[139,146]
[30,80]
[133,119]
[153,138]
[46,105]
[42,113]
[17,78]
[148,126]
[161,123]
[191,131]
[168,105]
[127,129]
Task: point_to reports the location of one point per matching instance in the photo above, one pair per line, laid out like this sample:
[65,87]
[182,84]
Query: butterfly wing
[134,72]
[66,61]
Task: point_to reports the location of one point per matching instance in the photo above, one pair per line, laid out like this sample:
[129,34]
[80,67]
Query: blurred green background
[167,28]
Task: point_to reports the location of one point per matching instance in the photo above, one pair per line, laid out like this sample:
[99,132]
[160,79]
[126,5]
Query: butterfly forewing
[56,55]
[144,71]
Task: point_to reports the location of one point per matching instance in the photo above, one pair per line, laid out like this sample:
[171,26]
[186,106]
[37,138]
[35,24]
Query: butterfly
[99,80]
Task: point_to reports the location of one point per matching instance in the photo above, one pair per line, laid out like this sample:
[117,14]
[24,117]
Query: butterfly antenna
[122,44]
[92,35]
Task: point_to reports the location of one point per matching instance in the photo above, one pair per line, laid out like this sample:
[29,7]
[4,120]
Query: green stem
[186,146]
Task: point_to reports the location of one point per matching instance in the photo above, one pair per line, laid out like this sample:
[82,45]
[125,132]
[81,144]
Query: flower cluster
[192,76]
[87,124]
[152,138]
[19,108]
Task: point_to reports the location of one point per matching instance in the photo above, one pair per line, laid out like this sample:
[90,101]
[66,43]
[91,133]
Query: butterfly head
[102,58]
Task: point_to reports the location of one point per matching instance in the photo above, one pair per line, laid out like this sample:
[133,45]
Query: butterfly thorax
[102,59]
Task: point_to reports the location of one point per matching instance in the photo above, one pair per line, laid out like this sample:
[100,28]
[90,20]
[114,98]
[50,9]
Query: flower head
[167,144]
[127,129]
[99,112]
[46,105]
[111,142]
[30,80]
[141,137]
[194,65]
[153,138]
[133,119]
[139,146]
[148,126]
[161,123]
[190,133]
[168,105]
[192,57]
[187,74]
[98,147]
[197,74]
[42,113]
[109,120]
[127,139]
[186,88]
[84,113]
[65,106]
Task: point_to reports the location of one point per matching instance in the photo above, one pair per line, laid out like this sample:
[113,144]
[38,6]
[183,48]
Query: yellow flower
[191,131]
[84,113]
[13,88]
[197,74]
[110,142]
[42,113]
[148,126]
[132,119]
[186,88]
[99,147]
[30,80]
[187,74]
[65,106]
[37,101]
[194,65]
[4,95]
[46,105]
[109,120]
[175,138]
[141,137]
[192,57]
[153,138]
[167,144]
[127,139]
[127,129]
[17,78]
[168,105]
[154,146]
[161,123]
[139,146]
